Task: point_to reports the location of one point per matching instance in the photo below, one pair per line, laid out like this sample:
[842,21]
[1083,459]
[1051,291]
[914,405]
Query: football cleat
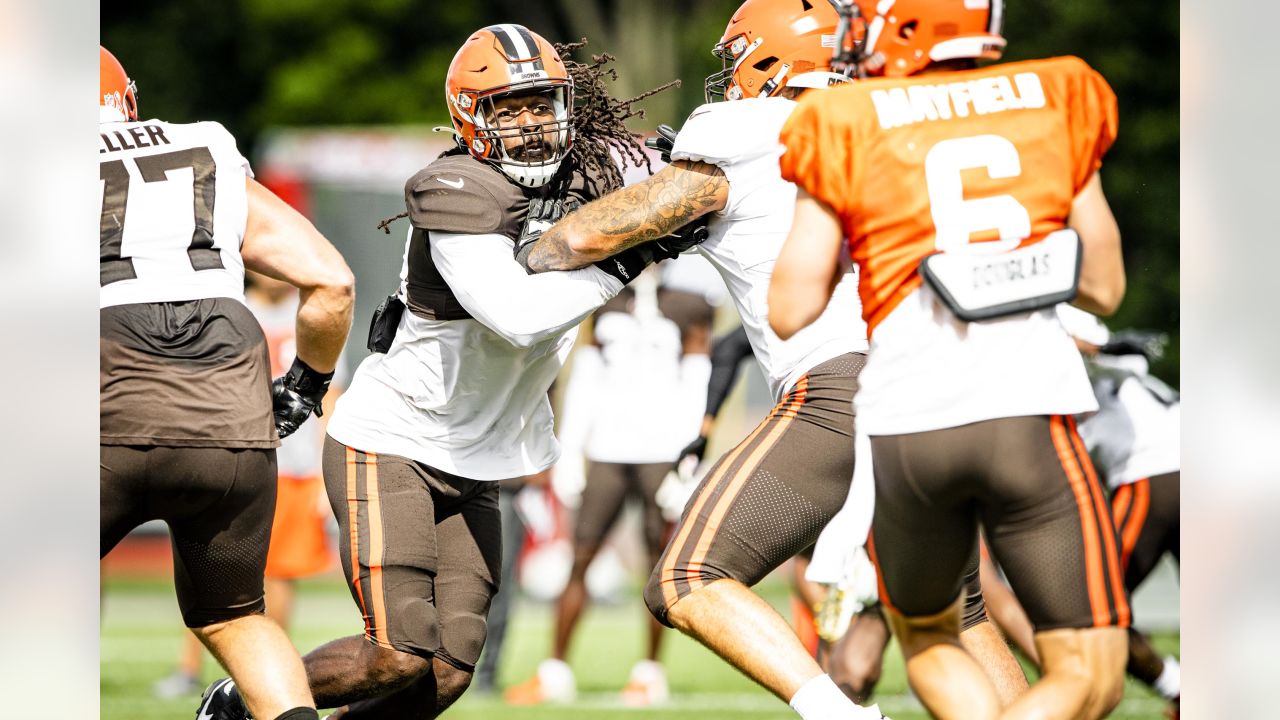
[647,685]
[552,683]
[221,701]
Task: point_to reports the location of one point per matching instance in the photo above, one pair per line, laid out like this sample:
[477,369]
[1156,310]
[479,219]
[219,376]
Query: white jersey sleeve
[746,236]
[523,309]
[174,206]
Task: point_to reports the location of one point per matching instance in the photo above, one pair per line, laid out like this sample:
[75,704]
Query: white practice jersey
[745,238]
[469,396]
[173,212]
[1137,431]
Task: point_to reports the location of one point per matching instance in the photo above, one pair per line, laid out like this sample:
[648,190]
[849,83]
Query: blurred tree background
[255,64]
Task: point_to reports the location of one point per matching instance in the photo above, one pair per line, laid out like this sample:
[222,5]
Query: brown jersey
[184,374]
[462,195]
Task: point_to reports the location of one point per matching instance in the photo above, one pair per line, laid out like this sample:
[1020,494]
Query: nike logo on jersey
[455,184]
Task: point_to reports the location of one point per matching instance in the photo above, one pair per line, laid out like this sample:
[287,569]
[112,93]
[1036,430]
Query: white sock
[1169,684]
[647,671]
[556,676]
[820,699]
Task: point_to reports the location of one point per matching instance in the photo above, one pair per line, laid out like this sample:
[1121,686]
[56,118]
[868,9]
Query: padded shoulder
[724,133]
[459,194]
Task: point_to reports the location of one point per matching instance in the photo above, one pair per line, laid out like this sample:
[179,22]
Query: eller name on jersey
[173,212]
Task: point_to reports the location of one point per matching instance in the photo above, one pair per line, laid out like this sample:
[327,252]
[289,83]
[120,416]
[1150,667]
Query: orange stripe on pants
[1093,562]
[744,473]
[376,548]
[1109,539]
[674,550]
[353,519]
[1136,519]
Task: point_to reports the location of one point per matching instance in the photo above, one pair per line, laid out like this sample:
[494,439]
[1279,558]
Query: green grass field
[141,632]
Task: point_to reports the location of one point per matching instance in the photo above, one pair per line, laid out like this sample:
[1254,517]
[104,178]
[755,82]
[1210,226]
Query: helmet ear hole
[907,29]
[765,64]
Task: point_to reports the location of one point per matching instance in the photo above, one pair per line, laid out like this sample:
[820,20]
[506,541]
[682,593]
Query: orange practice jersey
[931,163]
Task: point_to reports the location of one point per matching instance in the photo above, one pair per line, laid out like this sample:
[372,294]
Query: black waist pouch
[382,328]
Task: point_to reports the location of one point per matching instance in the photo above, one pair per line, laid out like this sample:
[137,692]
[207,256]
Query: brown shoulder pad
[459,194]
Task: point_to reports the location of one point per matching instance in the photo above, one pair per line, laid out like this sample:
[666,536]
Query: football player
[769,497]
[455,397]
[985,181]
[187,403]
[625,440]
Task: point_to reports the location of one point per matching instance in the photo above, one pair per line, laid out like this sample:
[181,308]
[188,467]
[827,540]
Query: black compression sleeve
[727,353]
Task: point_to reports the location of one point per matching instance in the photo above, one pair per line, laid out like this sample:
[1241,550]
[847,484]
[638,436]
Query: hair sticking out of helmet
[117,95]
[772,44]
[905,37]
[599,121]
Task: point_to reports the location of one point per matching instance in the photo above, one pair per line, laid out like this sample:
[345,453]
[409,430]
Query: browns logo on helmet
[770,44]
[117,95]
[489,87]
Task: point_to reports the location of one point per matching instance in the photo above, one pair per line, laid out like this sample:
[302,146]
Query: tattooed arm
[677,195]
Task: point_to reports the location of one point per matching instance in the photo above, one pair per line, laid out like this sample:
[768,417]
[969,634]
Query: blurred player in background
[187,402]
[633,400]
[454,397]
[300,545]
[770,497]
[971,388]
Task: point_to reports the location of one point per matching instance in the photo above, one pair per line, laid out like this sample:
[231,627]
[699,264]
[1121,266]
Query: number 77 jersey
[973,161]
[173,213]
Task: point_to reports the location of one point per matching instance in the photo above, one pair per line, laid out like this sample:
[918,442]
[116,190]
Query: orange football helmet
[770,44]
[905,36]
[117,95]
[500,61]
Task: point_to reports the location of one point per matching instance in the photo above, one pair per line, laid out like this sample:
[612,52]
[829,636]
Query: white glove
[677,487]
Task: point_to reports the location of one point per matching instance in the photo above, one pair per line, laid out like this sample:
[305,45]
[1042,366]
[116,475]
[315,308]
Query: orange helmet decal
[117,95]
[905,36]
[770,44]
[501,61]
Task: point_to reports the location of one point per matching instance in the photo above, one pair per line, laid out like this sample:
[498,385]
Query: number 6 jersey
[977,161]
[174,208]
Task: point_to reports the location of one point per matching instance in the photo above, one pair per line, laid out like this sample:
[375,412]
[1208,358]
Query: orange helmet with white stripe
[771,44]
[117,95]
[905,36]
[498,63]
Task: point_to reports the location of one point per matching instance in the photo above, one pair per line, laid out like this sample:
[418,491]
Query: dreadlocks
[599,120]
[599,126]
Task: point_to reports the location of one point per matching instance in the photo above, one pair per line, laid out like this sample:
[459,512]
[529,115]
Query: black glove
[1136,342]
[296,395]
[543,212]
[690,236]
[663,143]
[696,449]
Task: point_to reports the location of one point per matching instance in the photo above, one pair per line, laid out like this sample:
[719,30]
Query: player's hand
[1136,342]
[696,450]
[543,212]
[663,142]
[296,395]
[686,238]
